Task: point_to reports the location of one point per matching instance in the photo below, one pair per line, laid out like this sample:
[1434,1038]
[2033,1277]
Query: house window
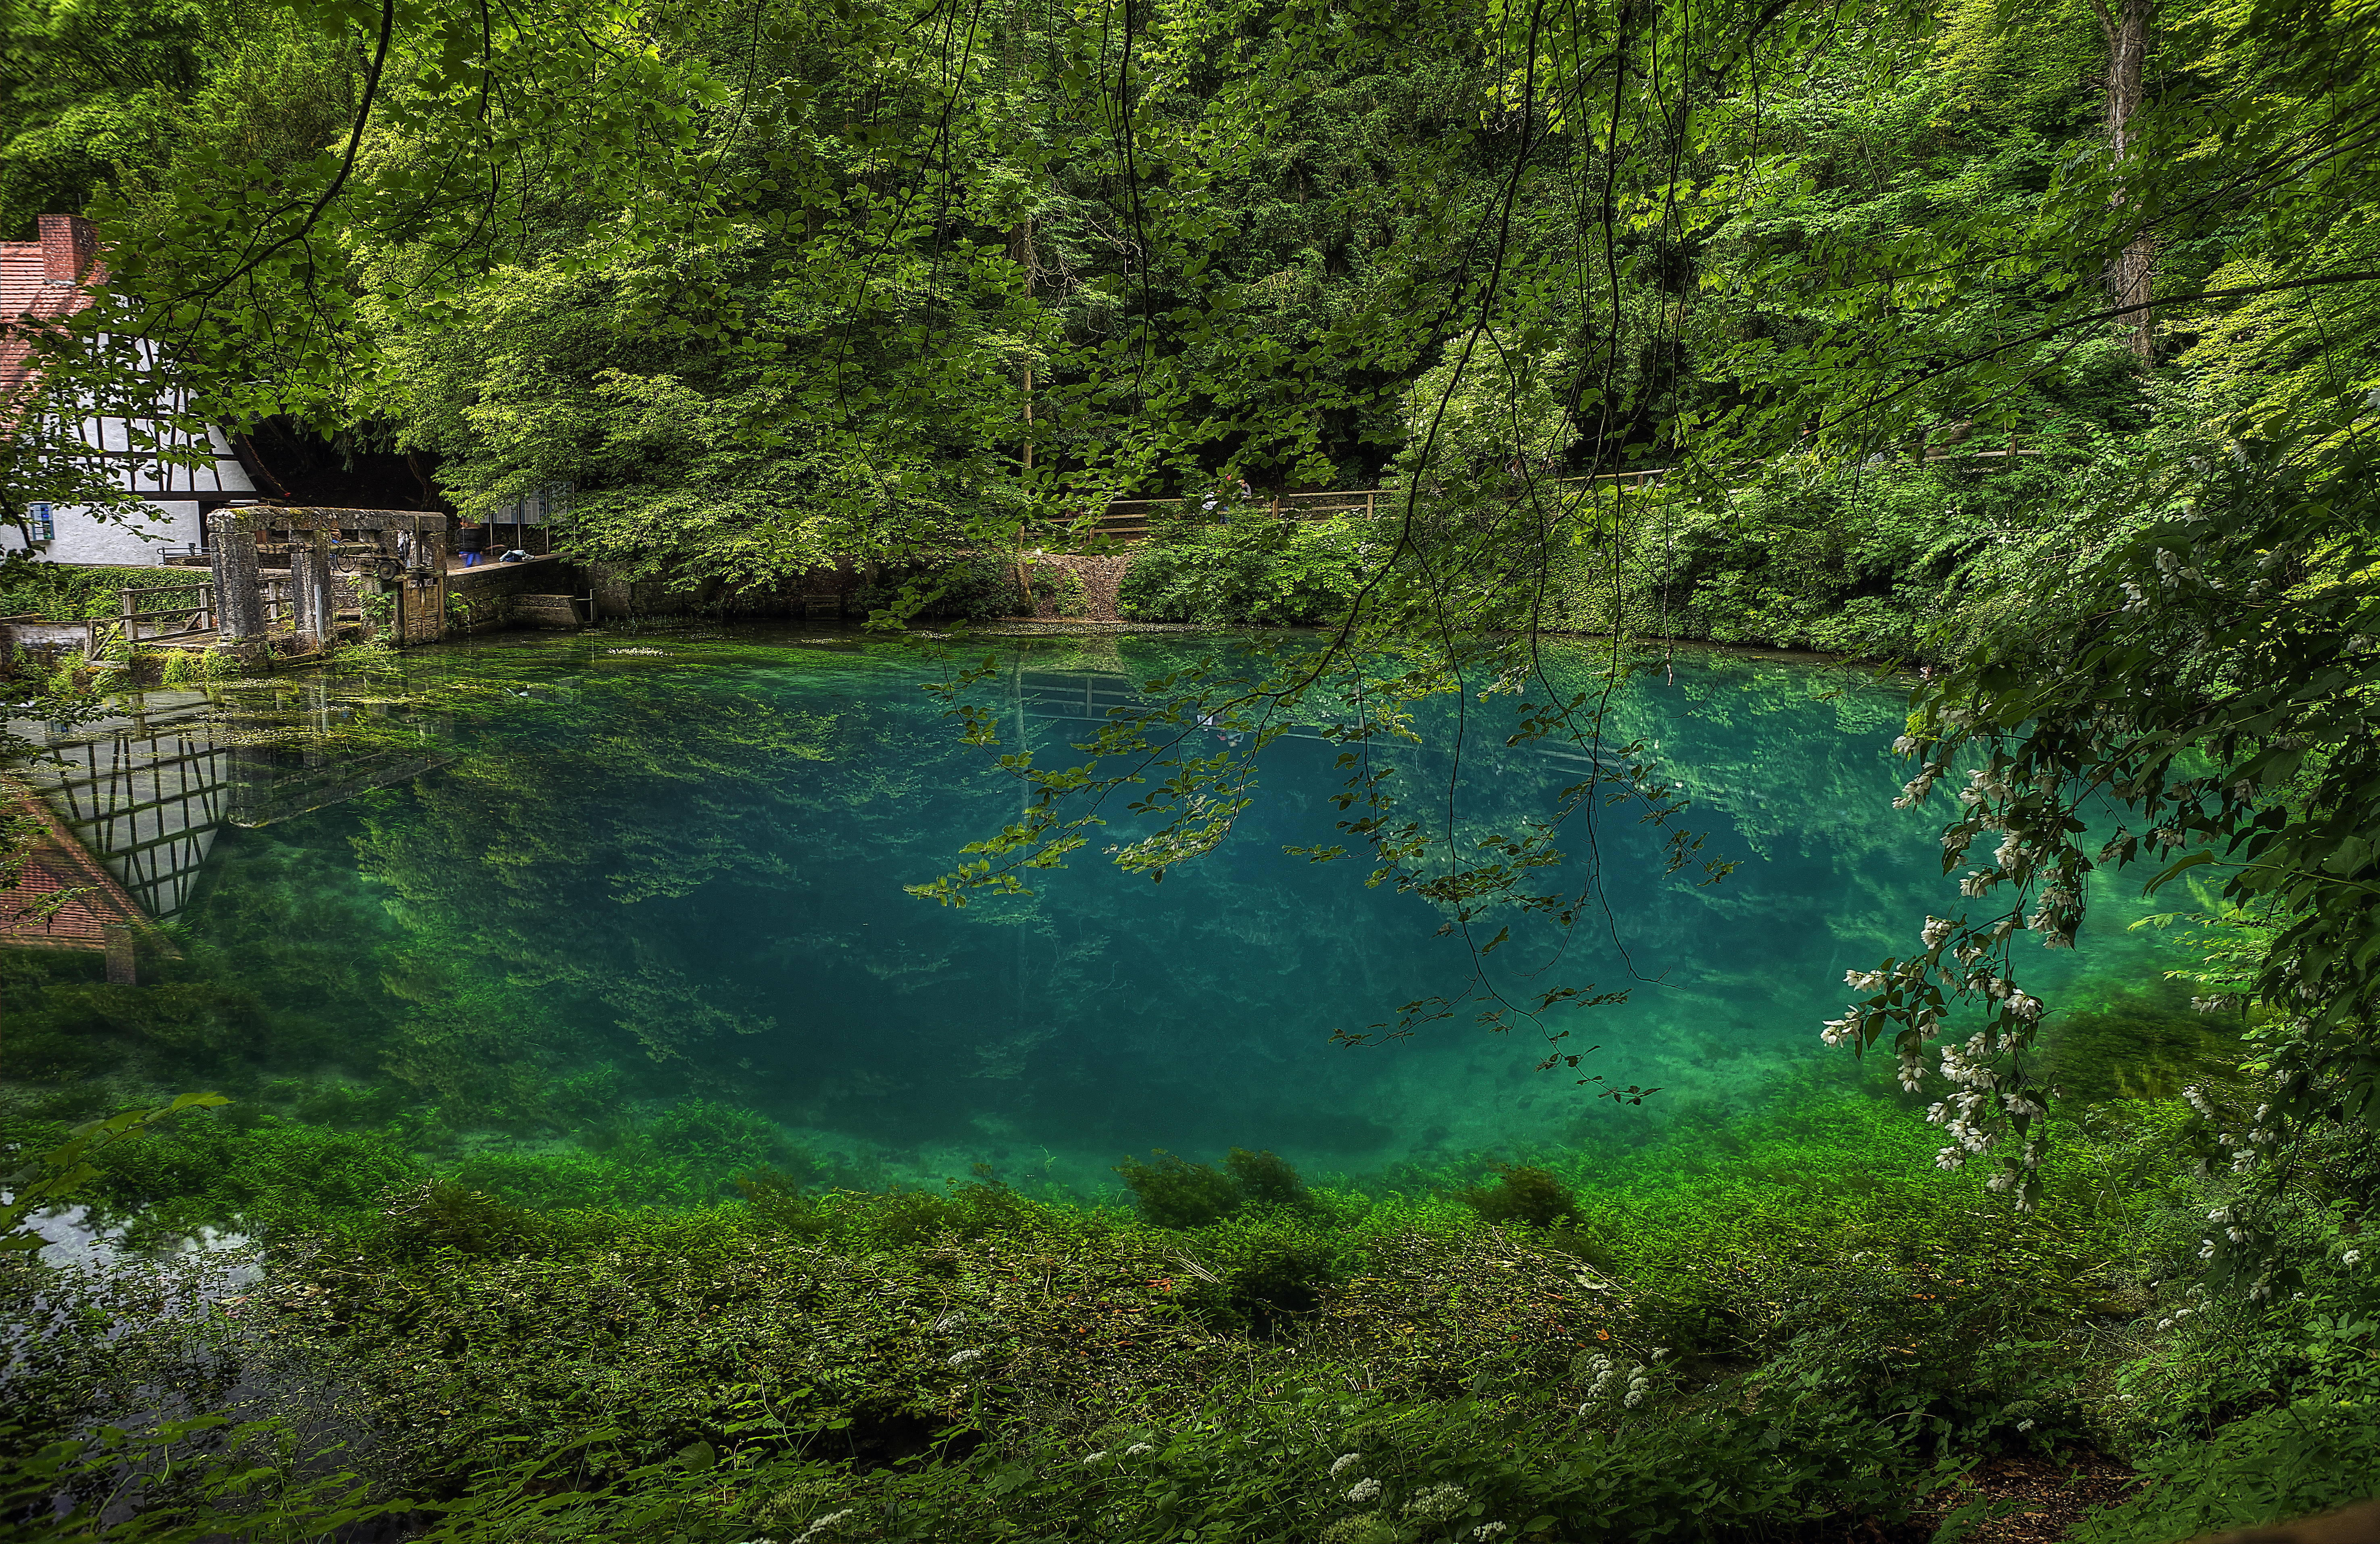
[39,524]
[539,507]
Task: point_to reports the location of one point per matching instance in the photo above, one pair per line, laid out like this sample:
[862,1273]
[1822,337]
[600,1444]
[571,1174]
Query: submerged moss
[2139,1055]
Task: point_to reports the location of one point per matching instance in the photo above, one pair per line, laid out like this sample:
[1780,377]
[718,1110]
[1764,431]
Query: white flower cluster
[1364,1490]
[2057,912]
[822,1524]
[1091,1458]
[2352,1257]
[1972,1081]
[1605,1370]
[961,1358]
[949,1322]
[1639,1385]
[1489,1530]
[1138,1448]
[2222,1218]
[1439,1503]
[1985,785]
[1343,1462]
[2134,600]
[1987,1104]
[2172,573]
[1975,1096]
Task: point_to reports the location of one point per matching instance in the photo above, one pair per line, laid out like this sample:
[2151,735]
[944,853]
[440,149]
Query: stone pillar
[309,574]
[239,604]
[431,535]
[122,964]
[421,611]
[249,772]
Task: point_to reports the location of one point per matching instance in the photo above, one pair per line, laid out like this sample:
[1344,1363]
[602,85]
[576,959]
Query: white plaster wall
[140,542]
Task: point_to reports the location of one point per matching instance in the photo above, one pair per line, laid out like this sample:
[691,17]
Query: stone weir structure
[399,553]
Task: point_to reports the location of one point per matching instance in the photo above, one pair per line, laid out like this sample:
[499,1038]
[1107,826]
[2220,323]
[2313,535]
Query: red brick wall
[69,248]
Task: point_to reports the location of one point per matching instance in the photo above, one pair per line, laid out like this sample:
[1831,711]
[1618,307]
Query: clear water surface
[537,887]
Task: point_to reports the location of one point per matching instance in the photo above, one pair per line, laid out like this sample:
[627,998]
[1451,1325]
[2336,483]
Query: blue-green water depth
[564,897]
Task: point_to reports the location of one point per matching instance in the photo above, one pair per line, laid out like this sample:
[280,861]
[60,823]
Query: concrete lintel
[256,517]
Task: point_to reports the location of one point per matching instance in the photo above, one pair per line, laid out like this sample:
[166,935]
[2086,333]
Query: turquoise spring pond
[534,890]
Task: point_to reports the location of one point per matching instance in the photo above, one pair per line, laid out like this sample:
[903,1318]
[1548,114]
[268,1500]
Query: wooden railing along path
[185,615]
[1128,519]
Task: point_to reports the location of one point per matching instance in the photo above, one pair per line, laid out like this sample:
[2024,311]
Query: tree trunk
[2134,271]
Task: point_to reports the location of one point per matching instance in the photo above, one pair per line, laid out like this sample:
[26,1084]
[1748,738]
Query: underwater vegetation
[1523,1195]
[1176,1193]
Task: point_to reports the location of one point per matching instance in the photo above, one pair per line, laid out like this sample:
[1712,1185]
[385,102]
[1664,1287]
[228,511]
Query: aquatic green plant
[65,675]
[1176,1193]
[1523,1195]
[440,1215]
[46,1179]
[1264,1178]
[184,667]
[1271,1291]
[2140,1054]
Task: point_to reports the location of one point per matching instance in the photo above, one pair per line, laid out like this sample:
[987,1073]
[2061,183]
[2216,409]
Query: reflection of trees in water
[556,881]
[702,879]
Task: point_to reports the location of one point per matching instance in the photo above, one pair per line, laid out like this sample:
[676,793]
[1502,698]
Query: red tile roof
[29,297]
[56,862]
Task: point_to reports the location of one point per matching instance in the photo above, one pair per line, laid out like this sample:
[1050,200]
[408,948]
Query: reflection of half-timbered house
[48,281]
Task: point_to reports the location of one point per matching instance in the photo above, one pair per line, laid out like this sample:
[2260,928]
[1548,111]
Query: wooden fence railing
[187,615]
[1128,519]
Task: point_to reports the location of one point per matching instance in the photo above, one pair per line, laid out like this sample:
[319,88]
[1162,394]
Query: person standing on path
[473,543]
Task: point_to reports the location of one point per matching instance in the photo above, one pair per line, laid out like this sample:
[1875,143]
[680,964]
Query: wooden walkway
[1129,520]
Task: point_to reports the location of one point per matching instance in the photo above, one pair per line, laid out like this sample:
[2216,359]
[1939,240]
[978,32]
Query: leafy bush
[2310,1456]
[1254,569]
[68,592]
[1878,560]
